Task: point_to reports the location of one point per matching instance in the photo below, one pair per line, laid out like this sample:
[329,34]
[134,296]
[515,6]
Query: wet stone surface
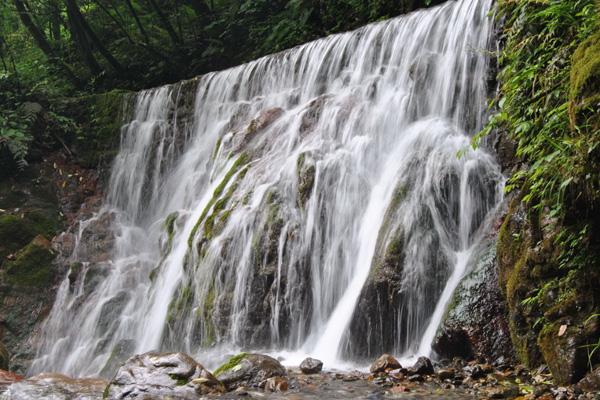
[454,379]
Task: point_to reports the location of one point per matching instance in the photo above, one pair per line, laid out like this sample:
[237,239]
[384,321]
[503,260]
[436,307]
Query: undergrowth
[533,106]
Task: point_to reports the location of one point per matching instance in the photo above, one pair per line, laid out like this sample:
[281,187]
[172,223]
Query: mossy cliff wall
[547,122]
[38,203]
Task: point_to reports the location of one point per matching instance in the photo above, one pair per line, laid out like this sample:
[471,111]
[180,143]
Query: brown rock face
[384,363]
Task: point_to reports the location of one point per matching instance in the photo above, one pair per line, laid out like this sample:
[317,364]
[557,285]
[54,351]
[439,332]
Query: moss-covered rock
[542,297]
[475,324]
[248,370]
[229,364]
[15,233]
[32,266]
[563,348]
[305,170]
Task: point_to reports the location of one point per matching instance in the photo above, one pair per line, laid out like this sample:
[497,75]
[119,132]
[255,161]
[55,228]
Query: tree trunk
[165,22]
[137,21]
[81,41]
[43,44]
[72,4]
[115,20]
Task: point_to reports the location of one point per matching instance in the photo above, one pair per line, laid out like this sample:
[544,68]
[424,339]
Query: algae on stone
[32,266]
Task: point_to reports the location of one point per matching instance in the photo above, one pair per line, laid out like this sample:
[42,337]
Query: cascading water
[258,206]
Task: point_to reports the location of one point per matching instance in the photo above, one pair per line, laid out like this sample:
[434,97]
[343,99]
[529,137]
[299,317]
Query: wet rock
[32,265]
[276,384]
[476,324]
[7,379]
[416,378]
[591,382]
[311,366]
[563,348]
[161,375]
[248,370]
[504,393]
[56,387]
[350,378]
[423,366]
[476,372]
[444,374]
[384,363]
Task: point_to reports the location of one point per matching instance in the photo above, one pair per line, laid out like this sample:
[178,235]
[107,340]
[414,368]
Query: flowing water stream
[252,208]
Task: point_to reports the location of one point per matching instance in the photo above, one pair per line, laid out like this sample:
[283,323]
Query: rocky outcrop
[39,202]
[162,375]
[548,306]
[475,325]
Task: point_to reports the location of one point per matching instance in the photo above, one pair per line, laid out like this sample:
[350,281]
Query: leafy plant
[594,347]
[533,108]
[15,134]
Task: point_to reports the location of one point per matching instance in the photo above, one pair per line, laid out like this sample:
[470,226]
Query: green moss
[179,380]
[239,163]
[306,178]
[32,266]
[105,112]
[15,232]
[217,148]
[169,226]
[230,364]
[182,301]
[206,313]
[585,68]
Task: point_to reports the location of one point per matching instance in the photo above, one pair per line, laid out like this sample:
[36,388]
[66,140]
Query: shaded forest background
[57,48]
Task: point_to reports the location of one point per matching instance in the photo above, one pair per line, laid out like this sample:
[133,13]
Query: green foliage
[592,348]
[15,128]
[176,39]
[533,106]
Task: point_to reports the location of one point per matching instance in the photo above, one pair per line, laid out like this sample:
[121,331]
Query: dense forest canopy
[55,48]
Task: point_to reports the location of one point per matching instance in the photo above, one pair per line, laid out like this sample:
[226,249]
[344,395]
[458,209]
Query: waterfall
[261,207]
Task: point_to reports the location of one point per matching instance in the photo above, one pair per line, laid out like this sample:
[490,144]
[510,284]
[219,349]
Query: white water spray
[250,208]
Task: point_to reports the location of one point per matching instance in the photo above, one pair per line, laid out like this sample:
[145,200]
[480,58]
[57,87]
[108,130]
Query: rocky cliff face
[39,203]
[547,259]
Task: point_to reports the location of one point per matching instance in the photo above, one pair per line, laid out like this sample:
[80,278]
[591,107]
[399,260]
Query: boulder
[162,375]
[55,387]
[248,370]
[423,366]
[311,366]
[384,363]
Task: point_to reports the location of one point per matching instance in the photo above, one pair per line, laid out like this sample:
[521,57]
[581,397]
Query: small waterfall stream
[252,208]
